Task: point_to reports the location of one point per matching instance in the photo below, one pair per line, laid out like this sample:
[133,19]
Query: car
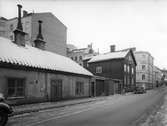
[139,90]
[5,110]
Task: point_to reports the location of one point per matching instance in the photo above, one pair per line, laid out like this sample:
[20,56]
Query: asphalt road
[121,111]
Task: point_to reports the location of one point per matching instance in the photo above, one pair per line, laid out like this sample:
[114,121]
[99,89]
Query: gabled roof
[33,57]
[109,56]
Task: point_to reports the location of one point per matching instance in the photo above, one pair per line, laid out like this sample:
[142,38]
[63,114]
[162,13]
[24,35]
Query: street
[120,110]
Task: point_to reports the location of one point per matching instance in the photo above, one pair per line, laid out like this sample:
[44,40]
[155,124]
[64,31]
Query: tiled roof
[33,57]
[108,56]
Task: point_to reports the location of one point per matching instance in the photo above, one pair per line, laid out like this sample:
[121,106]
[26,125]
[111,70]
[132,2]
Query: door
[56,90]
[92,89]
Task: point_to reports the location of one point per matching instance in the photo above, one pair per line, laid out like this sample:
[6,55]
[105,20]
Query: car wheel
[3,118]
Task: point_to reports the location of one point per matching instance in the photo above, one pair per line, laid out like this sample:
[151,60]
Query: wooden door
[56,90]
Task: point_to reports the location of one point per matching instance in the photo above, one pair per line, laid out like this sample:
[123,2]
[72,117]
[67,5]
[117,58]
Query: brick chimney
[112,48]
[18,33]
[39,42]
[25,13]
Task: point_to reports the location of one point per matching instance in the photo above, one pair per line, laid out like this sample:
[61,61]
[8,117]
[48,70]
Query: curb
[51,107]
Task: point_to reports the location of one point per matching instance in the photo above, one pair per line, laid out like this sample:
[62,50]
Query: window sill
[13,98]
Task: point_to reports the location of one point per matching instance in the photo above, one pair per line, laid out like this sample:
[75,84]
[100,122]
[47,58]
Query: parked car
[139,90]
[5,110]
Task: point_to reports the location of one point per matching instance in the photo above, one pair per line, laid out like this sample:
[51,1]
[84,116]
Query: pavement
[28,108]
[116,110]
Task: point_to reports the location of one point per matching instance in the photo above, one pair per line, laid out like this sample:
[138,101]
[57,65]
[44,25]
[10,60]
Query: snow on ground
[158,118]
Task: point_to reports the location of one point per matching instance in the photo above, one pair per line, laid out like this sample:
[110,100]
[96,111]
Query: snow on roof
[37,58]
[108,56]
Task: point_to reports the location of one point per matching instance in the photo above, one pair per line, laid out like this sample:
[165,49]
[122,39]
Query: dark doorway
[93,89]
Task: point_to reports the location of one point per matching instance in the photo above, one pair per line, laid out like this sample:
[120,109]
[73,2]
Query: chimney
[25,13]
[18,33]
[39,42]
[112,48]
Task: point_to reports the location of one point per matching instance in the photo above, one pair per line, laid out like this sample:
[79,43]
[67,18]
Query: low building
[120,65]
[144,69]
[33,74]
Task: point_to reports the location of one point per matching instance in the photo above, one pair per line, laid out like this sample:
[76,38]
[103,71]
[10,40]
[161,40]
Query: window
[99,69]
[133,81]
[16,87]
[143,77]
[79,89]
[124,67]
[80,57]
[12,37]
[143,56]
[128,68]
[11,27]
[76,58]
[143,67]
[124,79]
[132,70]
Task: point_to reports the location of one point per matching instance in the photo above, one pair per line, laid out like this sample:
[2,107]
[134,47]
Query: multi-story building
[54,31]
[157,76]
[3,26]
[144,69]
[120,65]
[79,54]
[164,72]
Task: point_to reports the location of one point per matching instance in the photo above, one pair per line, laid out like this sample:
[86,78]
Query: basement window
[16,87]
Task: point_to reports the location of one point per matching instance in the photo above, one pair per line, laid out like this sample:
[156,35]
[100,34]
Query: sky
[124,23]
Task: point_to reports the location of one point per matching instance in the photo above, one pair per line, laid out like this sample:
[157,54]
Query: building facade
[120,65]
[54,31]
[33,74]
[157,76]
[78,55]
[3,26]
[144,69]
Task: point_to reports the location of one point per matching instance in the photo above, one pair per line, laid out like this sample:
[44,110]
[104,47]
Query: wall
[111,69]
[3,27]
[54,32]
[26,23]
[37,85]
[144,58]
[34,83]
[69,84]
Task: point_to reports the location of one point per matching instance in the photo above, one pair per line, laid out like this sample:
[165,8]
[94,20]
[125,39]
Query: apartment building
[144,69]
[78,55]
[157,76]
[54,31]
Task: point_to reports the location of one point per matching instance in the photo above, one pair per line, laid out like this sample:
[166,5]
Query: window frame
[16,87]
[99,69]
[79,88]
[143,76]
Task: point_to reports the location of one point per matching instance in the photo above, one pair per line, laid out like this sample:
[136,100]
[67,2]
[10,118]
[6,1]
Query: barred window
[16,87]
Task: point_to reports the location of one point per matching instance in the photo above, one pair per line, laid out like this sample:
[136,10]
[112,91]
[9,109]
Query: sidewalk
[21,109]
[28,108]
